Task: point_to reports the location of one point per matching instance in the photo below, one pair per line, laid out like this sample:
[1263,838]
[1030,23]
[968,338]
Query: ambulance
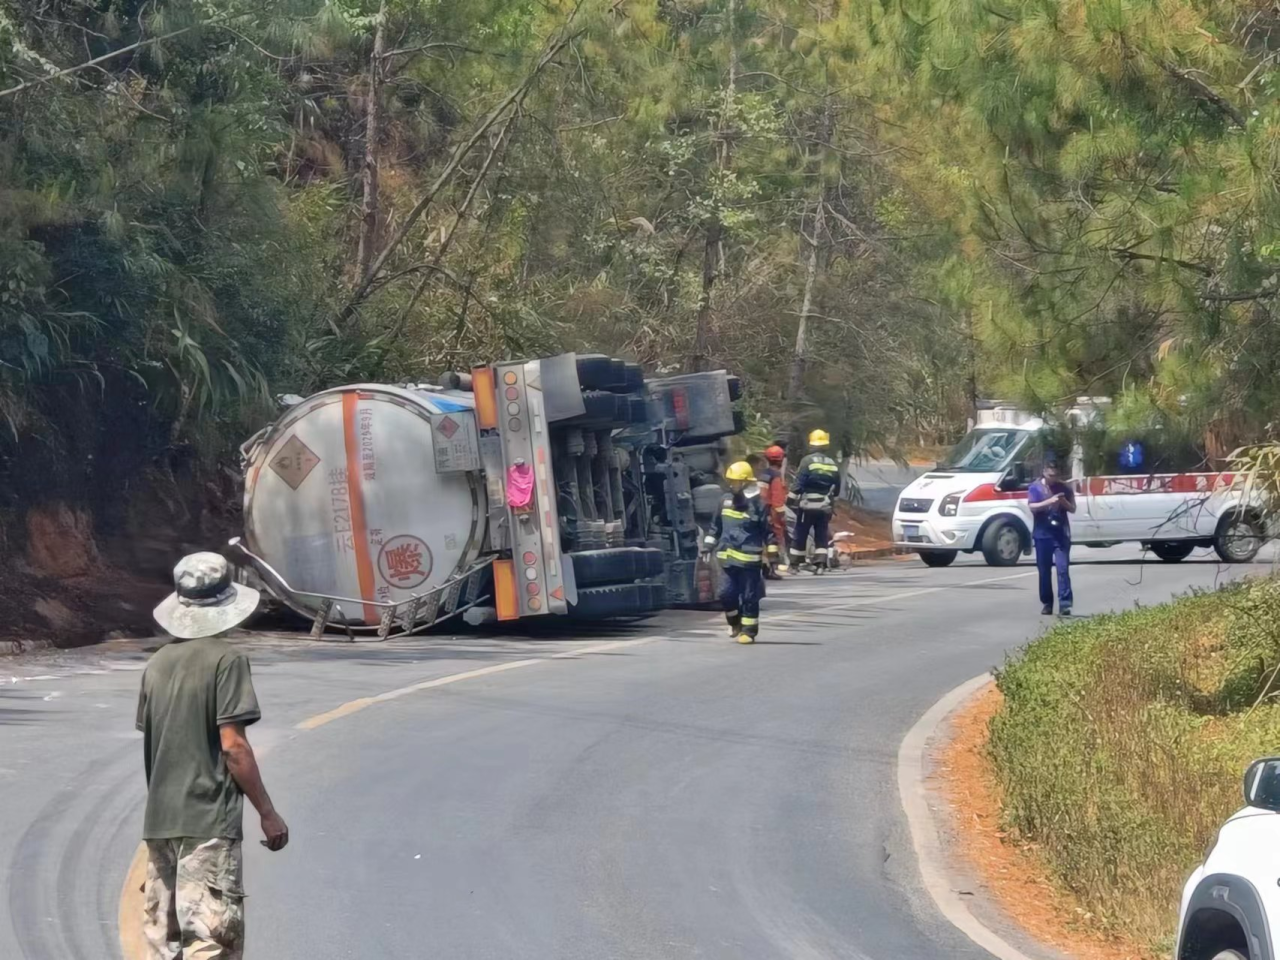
[1142,489]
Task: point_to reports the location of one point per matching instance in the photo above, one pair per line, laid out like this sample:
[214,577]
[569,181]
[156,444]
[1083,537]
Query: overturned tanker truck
[567,485]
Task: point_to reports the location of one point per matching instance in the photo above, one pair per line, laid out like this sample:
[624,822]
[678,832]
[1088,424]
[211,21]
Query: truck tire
[1002,543]
[937,558]
[619,600]
[707,498]
[634,377]
[1171,551]
[1229,955]
[619,565]
[1239,538]
[599,407]
[595,371]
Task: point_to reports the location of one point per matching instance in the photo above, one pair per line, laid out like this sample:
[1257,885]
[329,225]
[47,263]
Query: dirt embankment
[870,530]
[1013,874]
[71,575]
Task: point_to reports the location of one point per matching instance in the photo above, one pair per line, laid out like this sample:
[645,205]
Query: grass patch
[1122,742]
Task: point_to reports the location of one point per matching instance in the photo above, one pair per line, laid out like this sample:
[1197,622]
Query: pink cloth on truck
[519,485]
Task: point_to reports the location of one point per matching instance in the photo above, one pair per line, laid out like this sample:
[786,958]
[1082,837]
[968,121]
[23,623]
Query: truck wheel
[618,565]
[634,377]
[1171,551]
[1230,955]
[937,558]
[595,371]
[1002,543]
[1239,538]
[620,600]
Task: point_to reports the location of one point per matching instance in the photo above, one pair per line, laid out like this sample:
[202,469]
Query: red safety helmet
[775,454]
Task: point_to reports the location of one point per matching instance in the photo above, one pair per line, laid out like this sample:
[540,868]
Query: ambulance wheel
[1002,543]
[938,558]
[1239,538]
[1171,551]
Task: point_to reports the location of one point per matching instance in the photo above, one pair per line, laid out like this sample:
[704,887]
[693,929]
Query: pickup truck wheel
[937,558]
[1002,543]
[1171,551]
[1239,538]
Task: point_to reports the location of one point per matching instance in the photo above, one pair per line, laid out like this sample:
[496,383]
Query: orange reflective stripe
[355,499]
[504,590]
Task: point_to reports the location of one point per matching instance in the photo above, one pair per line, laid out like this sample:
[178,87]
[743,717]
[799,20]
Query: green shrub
[1122,740]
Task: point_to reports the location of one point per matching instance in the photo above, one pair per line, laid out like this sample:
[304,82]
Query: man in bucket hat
[197,698]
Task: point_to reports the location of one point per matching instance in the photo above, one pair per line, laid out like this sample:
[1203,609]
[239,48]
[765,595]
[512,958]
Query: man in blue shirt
[1051,502]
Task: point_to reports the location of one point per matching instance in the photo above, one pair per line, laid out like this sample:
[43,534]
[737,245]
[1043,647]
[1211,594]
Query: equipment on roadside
[561,485]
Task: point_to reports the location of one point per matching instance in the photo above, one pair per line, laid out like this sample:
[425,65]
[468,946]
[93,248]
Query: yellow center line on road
[355,706]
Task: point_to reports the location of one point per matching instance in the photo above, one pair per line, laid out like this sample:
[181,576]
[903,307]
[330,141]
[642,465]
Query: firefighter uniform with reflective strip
[741,536]
[816,486]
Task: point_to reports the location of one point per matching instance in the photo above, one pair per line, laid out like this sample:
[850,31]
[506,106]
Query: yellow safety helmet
[740,471]
[819,438]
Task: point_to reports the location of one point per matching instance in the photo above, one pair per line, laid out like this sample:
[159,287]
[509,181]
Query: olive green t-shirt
[190,688]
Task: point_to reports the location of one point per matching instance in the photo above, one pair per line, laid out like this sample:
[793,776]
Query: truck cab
[1145,489]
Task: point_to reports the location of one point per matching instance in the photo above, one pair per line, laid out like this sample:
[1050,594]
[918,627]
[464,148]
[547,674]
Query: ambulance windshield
[985,450]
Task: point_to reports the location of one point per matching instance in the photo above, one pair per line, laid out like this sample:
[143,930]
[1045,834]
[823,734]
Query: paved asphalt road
[880,482]
[681,797]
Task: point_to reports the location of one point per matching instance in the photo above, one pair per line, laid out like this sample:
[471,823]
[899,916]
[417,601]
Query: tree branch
[1239,297]
[115,53]
[1204,92]
[516,96]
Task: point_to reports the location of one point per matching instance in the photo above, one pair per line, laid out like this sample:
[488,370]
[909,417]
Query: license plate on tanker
[910,530]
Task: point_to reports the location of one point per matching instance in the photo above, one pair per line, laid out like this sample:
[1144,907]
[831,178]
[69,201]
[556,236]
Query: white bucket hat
[206,601]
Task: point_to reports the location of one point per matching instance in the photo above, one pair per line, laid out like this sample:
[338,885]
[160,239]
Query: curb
[923,827]
[133,943]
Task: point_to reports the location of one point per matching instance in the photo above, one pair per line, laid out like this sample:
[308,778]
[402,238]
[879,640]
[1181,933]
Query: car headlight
[950,505]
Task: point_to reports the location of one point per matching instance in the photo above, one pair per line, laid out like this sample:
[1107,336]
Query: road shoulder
[952,885]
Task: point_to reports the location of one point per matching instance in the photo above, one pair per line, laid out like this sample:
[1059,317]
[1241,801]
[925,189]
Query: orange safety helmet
[775,454]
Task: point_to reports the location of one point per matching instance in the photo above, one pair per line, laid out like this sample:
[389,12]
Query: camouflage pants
[194,900]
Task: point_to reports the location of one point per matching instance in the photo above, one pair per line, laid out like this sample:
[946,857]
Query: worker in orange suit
[774,487]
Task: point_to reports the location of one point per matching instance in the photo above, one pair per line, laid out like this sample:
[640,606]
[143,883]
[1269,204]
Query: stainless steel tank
[367,491]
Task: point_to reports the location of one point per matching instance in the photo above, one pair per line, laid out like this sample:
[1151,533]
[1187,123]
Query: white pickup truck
[1231,900]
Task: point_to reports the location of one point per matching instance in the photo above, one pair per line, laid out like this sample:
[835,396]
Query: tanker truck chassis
[568,485]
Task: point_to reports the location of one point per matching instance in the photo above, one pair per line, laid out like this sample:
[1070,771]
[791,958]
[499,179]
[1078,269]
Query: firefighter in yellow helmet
[741,536]
[813,494]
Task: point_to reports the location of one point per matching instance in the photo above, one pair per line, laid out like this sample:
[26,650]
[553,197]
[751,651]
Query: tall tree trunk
[369,213]
[799,362]
[713,250]
[702,322]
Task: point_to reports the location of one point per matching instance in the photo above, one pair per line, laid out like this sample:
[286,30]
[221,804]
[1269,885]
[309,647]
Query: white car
[976,501]
[1232,899]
